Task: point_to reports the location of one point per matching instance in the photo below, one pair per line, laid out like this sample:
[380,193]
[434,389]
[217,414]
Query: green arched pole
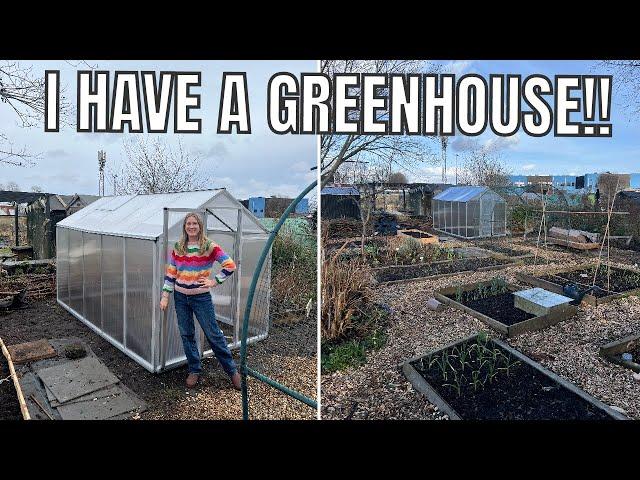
[244,370]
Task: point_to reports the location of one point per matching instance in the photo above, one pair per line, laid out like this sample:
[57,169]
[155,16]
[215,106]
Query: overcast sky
[262,163]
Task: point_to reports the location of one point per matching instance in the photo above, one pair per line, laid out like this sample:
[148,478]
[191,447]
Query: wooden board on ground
[31,351]
[575,245]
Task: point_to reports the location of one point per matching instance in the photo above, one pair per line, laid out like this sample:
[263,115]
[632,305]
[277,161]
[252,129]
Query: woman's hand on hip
[164,303]
[207,283]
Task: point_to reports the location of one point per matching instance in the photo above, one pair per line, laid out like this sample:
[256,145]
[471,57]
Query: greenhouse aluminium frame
[469,212]
[111,267]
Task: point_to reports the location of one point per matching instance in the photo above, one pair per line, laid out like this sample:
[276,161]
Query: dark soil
[428,270]
[620,280]
[417,234]
[499,307]
[522,394]
[9,405]
[46,319]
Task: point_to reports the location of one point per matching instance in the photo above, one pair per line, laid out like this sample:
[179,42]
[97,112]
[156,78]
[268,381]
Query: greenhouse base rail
[244,369]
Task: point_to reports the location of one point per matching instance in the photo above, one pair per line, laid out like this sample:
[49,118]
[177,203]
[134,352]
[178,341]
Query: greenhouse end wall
[479,217]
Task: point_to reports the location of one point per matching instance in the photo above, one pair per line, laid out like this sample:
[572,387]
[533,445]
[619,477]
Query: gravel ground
[287,355]
[379,390]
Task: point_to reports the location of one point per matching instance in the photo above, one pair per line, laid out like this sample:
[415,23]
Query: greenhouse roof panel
[139,216]
[461,194]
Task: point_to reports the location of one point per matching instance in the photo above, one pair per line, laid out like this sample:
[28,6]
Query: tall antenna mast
[444,141]
[102,160]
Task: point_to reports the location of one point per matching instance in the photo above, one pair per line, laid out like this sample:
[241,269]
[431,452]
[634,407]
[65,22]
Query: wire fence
[288,248]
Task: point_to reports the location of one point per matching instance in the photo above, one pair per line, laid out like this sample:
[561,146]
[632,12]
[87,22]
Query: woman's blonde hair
[203,241]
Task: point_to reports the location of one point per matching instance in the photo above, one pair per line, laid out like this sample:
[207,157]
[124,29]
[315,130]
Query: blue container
[256,206]
[303,206]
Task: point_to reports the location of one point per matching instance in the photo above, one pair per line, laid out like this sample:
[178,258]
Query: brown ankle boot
[236,379]
[192,380]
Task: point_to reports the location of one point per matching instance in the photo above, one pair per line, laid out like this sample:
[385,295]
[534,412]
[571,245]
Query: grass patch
[352,352]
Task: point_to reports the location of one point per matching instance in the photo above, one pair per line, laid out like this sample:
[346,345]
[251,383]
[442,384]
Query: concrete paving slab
[31,386]
[104,392]
[99,409]
[76,378]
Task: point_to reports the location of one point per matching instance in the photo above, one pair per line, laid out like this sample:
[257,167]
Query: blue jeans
[202,306]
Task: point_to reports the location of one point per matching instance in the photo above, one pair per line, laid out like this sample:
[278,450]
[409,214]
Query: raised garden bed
[613,352]
[485,379]
[505,250]
[495,307]
[410,273]
[623,282]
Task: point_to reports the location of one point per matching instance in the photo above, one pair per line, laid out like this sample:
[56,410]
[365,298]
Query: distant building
[274,207]
[564,182]
[340,202]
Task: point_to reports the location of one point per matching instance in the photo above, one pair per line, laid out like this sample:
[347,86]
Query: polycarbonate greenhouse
[469,212]
[111,260]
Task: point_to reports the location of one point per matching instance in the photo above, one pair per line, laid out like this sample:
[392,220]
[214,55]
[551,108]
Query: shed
[340,202]
[41,220]
[469,212]
[111,260]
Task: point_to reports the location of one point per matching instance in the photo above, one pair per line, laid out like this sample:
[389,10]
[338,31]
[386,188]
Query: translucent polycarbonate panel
[461,194]
[139,272]
[250,224]
[227,216]
[112,286]
[223,199]
[487,204]
[75,271]
[223,295]
[92,279]
[134,215]
[499,219]
[62,264]
[259,319]
[215,224]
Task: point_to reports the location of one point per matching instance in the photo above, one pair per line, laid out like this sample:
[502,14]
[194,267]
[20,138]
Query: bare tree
[154,166]
[626,78]
[12,187]
[22,90]
[406,152]
[484,167]
[397,177]
[36,189]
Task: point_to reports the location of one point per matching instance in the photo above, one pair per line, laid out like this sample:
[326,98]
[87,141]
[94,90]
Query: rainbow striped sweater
[184,271]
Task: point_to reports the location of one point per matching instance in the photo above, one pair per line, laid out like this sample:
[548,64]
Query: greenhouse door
[225,228]
[170,342]
[486,217]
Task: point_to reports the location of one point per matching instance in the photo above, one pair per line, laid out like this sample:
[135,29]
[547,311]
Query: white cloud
[528,167]
[497,144]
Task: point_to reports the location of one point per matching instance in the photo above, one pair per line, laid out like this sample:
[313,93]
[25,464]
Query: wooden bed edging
[611,350]
[422,386]
[443,275]
[529,325]
[588,299]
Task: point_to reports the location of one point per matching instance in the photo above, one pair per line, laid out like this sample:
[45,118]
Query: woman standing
[187,275]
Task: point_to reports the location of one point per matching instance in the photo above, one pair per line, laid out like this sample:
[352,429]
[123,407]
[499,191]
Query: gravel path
[379,390]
